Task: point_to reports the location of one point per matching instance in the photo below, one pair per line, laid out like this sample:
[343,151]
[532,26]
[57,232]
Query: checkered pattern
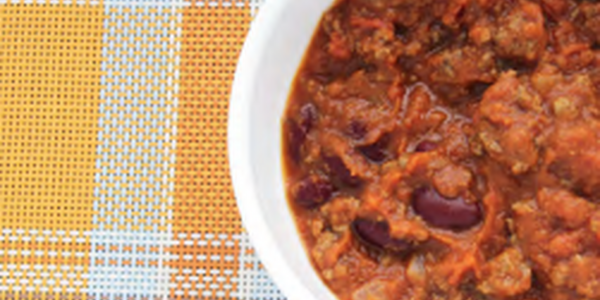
[114,177]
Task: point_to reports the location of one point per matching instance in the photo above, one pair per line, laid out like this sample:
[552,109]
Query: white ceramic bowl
[268,64]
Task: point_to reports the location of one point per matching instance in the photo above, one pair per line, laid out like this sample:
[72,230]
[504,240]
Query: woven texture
[114,179]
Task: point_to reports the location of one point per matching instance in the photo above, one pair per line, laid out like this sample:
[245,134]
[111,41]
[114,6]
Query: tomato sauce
[450,149]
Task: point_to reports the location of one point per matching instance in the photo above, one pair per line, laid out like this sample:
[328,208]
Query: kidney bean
[455,214]
[477,89]
[401,32]
[294,138]
[357,130]
[308,117]
[296,132]
[338,169]
[313,192]
[376,152]
[426,146]
[377,235]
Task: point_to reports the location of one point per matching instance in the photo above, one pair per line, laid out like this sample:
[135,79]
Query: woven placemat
[114,179]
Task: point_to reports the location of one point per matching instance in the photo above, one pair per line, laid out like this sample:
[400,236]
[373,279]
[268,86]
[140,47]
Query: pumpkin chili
[450,149]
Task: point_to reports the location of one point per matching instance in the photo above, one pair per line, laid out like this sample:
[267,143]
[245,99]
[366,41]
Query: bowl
[271,56]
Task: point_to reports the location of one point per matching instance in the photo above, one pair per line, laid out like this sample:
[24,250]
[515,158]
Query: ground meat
[574,155]
[591,15]
[557,254]
[566,244]
[506,275]
[565,206]
[454,71]
[450,150]
[452,180]
[377,290]
[581,274]
[574,51]
[521,33]
[340,212]
[418,110]
[329,247]
[508,120]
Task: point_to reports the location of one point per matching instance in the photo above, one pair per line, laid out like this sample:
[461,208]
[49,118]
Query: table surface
[114,178]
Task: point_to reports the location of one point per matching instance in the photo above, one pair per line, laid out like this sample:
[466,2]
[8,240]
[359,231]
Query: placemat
[114,179]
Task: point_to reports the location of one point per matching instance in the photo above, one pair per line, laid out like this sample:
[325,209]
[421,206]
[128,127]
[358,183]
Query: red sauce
[450,149]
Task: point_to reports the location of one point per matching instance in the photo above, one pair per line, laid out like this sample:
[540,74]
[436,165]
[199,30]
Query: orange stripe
[51,58]
[212,39]
[204,203]
[49,114]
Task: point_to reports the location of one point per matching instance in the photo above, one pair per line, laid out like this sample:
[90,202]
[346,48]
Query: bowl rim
[238,144]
